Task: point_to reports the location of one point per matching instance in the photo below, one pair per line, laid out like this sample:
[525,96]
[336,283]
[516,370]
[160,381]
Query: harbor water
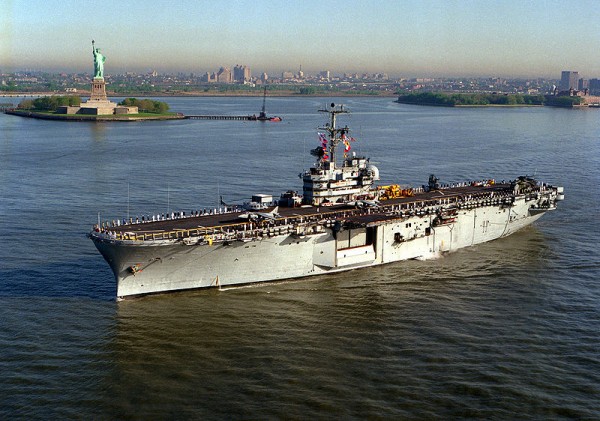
[505,330]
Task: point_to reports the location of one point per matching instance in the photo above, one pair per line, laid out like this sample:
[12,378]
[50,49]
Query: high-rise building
[224,75]
[569,80]
[594,86]
[241,74]
[209,77]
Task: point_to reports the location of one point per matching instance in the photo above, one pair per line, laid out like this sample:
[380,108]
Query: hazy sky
[403,38]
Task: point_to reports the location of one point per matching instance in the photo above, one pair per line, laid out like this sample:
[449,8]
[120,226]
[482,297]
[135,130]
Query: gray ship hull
[149,267]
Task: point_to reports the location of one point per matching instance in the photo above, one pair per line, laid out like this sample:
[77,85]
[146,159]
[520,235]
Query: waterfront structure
[346,222]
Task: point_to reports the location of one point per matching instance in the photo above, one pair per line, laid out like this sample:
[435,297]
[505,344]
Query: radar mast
[335,135]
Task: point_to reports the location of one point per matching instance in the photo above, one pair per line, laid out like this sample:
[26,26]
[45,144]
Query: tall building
[594,86]
[241,74]
[209,77]
[569,80]
[224,75]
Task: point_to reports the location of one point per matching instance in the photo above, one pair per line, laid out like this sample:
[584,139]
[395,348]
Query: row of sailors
[410,209]
[181,214]
[454,185]
[542,185]
[470,184]
[164,217]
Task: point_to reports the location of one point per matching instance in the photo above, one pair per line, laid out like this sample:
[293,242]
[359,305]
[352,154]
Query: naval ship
[341,221]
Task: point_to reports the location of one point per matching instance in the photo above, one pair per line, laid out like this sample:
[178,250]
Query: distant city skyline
[401,38]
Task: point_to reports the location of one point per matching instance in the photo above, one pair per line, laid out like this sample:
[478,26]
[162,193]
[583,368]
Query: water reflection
[98,131]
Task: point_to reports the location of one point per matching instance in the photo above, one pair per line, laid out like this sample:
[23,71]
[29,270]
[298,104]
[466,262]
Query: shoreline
[423,104]
[92,118]
[470,106]
[197,94]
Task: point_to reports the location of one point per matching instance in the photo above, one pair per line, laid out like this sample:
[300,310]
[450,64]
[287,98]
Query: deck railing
[252,229]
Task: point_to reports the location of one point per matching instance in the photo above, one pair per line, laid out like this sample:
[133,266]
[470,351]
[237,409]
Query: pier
[221,117]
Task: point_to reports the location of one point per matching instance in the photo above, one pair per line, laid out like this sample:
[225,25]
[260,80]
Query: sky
[404,38]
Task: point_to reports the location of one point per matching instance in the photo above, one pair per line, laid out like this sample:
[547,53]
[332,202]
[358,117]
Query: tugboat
[342,221]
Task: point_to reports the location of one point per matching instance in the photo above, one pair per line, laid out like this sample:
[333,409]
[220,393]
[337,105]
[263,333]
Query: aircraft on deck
[261,215]
[249,206]
[364,203]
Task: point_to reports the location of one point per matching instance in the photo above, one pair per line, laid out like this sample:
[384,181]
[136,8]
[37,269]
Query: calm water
[505,330]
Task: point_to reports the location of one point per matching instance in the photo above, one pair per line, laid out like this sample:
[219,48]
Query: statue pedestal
[98,91]
[98,102]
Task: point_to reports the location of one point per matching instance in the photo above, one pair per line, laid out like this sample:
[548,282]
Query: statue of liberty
[99,60]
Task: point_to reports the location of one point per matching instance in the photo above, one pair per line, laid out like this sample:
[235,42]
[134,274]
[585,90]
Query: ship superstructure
[346,222]
[327,183]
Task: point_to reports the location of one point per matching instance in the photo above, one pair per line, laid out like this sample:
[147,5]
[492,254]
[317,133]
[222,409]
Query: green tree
[26,104]
[51,103]
[308,90]
[146,105]
[563,101]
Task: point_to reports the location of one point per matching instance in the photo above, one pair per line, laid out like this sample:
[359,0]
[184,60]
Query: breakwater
[221,117]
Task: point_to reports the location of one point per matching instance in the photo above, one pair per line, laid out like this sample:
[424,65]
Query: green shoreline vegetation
[486,100]
[146,105]
[46,107]
[49,103]
[51,115]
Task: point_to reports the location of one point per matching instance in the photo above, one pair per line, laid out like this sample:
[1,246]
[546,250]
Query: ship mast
[335,134]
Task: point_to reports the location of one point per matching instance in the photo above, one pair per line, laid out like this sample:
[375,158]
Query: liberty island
[98,104]
[97,108]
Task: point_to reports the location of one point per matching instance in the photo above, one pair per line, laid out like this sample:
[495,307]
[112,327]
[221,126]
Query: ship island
[342,221]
